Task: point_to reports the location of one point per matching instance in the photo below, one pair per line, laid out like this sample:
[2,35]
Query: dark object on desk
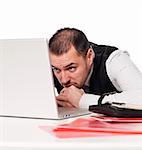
[116,110]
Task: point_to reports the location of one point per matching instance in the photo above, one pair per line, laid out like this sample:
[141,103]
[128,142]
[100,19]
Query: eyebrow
[69,65]
[66,65]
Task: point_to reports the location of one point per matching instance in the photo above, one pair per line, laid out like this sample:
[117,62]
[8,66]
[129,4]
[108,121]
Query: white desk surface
[24,134]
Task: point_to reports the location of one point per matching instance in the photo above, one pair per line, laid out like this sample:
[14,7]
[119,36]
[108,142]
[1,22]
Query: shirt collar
[89,76]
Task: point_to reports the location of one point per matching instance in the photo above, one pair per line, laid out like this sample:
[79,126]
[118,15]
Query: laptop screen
[26,84]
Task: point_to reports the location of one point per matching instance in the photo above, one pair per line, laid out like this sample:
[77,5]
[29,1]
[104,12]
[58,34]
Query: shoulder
[117,56]
[101,48]
[116,62]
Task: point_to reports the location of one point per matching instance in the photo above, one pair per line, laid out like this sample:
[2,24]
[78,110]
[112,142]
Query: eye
[72,69]
[56,70]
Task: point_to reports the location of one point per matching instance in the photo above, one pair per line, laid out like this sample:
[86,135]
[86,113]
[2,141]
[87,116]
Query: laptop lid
[26,84]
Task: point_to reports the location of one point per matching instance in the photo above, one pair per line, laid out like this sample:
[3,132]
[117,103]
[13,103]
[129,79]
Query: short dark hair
[64,38]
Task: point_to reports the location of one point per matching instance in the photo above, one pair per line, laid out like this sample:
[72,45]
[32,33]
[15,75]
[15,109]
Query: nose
[64,78]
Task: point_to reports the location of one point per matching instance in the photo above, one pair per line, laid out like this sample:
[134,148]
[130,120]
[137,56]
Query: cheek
[82,70]
[80,73]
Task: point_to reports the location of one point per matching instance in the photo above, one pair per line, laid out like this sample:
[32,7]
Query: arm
[125,77]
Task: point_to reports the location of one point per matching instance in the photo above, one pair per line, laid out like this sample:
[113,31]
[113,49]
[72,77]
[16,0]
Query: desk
[24,134]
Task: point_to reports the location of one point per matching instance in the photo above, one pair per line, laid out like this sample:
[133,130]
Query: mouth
[68,85]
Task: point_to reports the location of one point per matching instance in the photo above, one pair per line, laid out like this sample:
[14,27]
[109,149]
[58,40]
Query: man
[85,71]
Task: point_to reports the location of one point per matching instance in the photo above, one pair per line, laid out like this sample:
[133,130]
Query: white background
[112,22]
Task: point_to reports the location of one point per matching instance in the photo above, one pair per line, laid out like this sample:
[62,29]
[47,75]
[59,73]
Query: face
[71,68]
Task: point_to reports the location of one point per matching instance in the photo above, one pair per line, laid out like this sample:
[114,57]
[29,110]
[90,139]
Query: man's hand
[70,97]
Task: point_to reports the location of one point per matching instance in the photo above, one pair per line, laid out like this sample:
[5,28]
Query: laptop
[26,81]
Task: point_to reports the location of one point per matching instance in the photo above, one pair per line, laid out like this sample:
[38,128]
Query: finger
[64,104]
[63,90]
[82,91]
[61,98]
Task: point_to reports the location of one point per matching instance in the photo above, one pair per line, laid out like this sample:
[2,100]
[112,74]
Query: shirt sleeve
[88,99]
[125,76]
[122,72]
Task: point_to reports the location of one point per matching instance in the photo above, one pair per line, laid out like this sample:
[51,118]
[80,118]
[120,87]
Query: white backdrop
[113,22]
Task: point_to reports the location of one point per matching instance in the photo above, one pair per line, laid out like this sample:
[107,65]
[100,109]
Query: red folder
[93,127]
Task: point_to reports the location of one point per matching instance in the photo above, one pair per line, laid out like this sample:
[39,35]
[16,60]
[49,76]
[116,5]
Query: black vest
[99,81]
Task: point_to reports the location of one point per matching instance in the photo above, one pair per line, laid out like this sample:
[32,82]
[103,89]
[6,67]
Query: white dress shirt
[125,76]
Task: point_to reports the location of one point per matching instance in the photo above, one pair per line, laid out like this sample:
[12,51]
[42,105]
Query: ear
[90,56]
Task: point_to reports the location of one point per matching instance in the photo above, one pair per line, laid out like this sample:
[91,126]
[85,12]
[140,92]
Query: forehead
[72,56]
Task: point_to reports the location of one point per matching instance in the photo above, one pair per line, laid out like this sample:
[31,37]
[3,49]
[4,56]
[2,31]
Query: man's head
[71,56]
